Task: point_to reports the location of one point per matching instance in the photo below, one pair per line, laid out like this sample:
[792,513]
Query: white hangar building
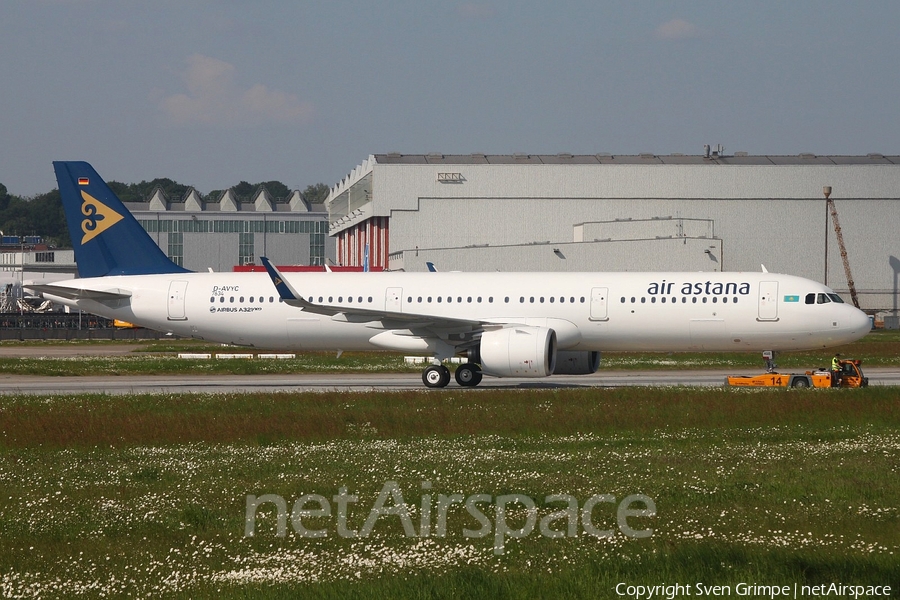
[526,212]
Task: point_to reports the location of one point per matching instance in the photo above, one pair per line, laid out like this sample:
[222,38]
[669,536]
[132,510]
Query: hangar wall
[615,213]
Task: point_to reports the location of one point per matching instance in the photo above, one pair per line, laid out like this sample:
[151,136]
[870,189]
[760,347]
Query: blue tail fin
[107,239]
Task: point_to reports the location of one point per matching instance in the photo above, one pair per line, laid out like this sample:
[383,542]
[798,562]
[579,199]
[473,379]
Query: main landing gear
[438,376]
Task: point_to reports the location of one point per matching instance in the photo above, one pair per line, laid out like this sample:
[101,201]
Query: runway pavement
[42,385]
[167,384]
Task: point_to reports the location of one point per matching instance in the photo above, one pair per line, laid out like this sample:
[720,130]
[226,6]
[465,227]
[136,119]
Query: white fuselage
[588,311]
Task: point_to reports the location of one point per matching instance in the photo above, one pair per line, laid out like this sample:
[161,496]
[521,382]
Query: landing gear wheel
[436,376]
[468,375]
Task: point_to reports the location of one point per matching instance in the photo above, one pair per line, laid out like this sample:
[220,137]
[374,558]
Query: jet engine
[577,363]
[518,352]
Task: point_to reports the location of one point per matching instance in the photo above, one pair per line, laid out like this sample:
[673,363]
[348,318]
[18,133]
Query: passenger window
[490,299]
[221,298]
[704,299]
[653,300]
[271,299]
[582,299]
[663,300]
[643,300]
[694,299]
[212,298]
[231,299]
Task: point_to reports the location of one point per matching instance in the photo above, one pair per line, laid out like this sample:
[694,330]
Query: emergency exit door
[599,304]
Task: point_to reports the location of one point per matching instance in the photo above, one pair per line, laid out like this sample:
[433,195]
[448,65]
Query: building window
[246,250]
[176,248]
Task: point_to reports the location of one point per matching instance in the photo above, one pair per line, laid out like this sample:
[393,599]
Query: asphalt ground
[145,384]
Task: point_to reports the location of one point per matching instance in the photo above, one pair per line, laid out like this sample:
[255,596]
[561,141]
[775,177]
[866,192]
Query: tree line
[42,215]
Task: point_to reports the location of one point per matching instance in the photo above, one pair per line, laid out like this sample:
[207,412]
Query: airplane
[506,324]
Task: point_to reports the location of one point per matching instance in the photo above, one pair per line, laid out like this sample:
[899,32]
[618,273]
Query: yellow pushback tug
[851,376]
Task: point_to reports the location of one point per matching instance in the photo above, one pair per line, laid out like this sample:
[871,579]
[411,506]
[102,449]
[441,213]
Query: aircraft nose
[858,322]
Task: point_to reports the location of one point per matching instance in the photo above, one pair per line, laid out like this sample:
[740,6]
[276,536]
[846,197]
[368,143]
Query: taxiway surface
[162,384]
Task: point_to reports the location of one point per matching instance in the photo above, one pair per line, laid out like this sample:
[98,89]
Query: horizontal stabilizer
[72,293]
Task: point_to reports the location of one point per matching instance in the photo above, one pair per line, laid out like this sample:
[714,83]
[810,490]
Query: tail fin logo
[99,217]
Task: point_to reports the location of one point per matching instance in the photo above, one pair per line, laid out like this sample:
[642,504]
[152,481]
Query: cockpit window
[836,298]
[822,299]
[810,298]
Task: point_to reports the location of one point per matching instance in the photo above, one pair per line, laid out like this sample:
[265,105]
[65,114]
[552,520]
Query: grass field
[147,495]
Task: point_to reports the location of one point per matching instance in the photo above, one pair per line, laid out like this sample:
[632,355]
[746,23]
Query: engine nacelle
[577,363]
[518,352]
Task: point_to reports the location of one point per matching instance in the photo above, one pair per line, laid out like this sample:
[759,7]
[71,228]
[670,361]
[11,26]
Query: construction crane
[840,240]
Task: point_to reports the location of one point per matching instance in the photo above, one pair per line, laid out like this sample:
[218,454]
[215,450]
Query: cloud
[214,98]
[678,29]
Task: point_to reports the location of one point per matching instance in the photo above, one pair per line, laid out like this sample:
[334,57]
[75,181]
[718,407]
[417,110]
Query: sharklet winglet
[289,295]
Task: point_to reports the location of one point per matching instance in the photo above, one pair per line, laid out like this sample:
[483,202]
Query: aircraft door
[392,299]
[599,304]
[768,301]
[177,292]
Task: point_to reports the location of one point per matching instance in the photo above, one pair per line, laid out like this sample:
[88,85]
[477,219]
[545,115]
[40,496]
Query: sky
[210,93]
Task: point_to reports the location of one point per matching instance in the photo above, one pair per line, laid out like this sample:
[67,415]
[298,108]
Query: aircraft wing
[77,293]
[392,320]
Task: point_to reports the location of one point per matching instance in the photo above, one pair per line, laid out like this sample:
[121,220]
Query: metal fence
[61,326]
